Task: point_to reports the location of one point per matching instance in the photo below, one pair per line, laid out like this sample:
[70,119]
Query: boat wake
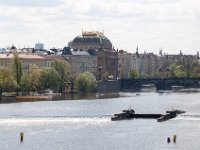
[52,120]
[190,117]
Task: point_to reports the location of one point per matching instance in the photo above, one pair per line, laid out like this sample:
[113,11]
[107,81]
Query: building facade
[127,62]
[27,59]
[81,61]
[96,43]
[148,65]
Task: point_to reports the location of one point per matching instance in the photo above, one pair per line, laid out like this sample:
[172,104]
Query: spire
[161,52]
[137,53]
[181,53]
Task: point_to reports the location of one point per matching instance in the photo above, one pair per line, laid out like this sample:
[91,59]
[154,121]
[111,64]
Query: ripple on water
[23,121]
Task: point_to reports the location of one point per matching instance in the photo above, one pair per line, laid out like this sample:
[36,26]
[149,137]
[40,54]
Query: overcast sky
[172,25]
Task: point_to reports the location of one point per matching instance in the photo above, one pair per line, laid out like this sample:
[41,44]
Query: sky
[170,25]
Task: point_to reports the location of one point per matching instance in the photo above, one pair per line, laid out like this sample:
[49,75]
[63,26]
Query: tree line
[58,77]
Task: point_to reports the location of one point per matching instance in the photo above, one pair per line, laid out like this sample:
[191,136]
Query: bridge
[135,84]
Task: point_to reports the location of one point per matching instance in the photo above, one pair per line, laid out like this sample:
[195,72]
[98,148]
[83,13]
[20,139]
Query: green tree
[180,71]
[34,75]
[17,71]
[64,70]
[133,73]
[177,70]
[49,78]
[172,70]
[195,69]
[6,80]
[25,85]
[85,82]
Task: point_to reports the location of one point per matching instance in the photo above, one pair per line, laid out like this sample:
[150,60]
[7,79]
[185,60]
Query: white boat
[50,92]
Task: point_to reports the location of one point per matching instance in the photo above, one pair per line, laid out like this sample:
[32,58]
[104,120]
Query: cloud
[151,24]
[31,3]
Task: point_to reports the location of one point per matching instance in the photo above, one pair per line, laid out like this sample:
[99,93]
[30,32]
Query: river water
[85,124]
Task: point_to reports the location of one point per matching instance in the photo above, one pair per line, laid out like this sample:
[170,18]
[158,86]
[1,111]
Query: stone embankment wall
[108,86]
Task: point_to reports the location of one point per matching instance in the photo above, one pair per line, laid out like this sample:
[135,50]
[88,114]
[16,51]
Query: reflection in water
[64,97]
[92,96]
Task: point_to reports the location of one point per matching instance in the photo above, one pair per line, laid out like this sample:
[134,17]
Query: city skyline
[150,24]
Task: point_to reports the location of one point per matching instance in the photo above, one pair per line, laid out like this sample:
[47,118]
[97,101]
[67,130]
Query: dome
[91,40]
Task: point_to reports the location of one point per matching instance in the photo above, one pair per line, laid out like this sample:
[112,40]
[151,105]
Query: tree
[85,82]
[34,75]
[26,83]
[30,80]
[195,69]
[17,71]
[172,68]
[105,76]
[49,78]
[133,74]
[64,70]
[180,71]
[177,70]
[6,80]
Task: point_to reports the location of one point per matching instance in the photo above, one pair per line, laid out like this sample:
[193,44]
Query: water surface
[85,124]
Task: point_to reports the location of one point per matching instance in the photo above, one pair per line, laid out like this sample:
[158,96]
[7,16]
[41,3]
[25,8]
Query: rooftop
[80,53]
[21,56]
[92,33]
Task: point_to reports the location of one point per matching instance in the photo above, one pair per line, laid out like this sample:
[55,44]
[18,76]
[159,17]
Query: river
[85,124]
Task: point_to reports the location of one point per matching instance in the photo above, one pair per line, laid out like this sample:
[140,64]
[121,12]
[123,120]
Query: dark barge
[169,115]
[130,114]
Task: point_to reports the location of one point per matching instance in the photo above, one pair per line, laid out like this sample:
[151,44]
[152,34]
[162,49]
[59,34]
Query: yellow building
[26,59]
